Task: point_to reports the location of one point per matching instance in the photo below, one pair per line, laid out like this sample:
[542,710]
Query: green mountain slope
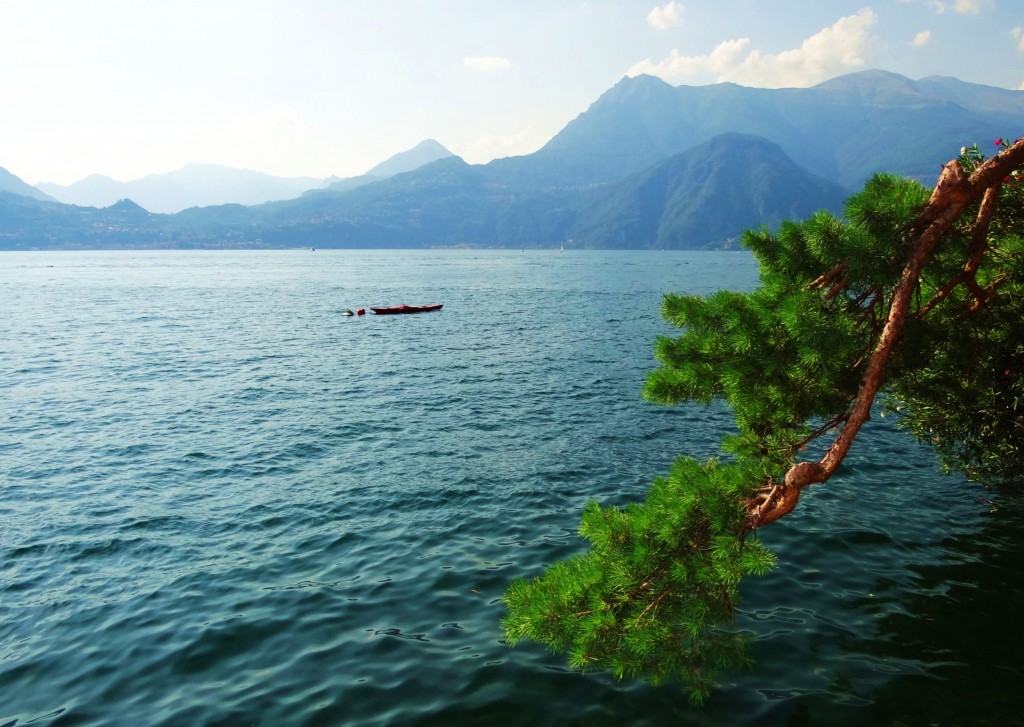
[705,196]
[444,203]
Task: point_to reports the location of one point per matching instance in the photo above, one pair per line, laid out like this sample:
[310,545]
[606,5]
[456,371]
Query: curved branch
[953,193]
[979,246]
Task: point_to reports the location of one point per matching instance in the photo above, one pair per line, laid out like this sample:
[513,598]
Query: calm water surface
[224,503]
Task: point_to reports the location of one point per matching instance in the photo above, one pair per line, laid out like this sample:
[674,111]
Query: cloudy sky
[332,87]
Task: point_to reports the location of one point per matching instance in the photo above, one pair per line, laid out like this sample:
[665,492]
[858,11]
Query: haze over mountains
[205,185]
[11,184]
[648,165]
[194,185]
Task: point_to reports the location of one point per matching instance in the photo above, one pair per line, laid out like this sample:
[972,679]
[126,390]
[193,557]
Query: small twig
[988,293]
[831,424]
[835,289]
[859,300]
[652,605]
[826,279]
[941,294]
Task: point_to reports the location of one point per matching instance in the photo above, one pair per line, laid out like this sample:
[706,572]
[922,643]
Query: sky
[326,88]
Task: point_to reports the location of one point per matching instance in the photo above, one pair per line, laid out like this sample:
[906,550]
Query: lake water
[224,503]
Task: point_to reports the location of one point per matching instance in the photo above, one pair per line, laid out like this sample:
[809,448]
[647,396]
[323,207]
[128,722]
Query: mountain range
[13,185]
[206,185]
[647,165]
[194,185]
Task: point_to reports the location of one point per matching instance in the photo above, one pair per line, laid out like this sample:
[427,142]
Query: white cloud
[968,6]
[829,52]
[922,38]
[972,7]
[1018,34]
[666,16]
[720,61]
[486,64]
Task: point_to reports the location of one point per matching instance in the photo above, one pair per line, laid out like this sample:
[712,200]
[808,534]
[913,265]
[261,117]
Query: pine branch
[953,193]
[652,596]
[829,278]
[979,247]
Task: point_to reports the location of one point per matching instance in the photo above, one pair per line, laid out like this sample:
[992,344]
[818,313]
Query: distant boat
[391,310]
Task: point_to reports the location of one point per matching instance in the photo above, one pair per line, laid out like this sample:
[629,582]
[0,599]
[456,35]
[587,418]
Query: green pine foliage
[660,579]
[654,596]
[789,356]
[960,383]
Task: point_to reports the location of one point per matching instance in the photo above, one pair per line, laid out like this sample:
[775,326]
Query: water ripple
[224,503]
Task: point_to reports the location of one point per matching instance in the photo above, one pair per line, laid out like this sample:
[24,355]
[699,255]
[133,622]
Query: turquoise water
[224,503]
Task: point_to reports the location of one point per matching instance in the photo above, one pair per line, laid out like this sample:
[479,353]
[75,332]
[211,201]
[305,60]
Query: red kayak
[391,310]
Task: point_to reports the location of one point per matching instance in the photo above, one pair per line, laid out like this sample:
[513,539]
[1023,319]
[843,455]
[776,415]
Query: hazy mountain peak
[194,185]
[126,205]
[977,96]
[425,152]
[15,185]
[870,76]
[881,88]
[128,210]
[635,88]
[98,178]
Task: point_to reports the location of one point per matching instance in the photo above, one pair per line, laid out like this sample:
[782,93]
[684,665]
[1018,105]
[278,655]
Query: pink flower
[999,141]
